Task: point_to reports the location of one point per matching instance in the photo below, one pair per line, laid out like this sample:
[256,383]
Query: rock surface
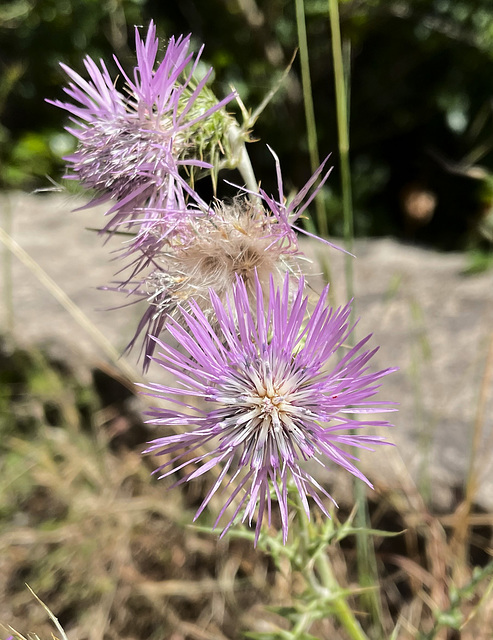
[430,320]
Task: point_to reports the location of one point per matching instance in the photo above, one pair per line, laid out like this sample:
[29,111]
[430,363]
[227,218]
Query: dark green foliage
[35,36]
[420,95]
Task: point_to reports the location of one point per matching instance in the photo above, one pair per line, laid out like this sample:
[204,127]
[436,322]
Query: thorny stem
[341,608]
[300,627]
[326,582]
[240,158]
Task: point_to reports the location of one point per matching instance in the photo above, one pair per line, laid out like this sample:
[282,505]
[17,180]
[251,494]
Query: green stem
[343,131]
[301,626]
[326,580]
[311,127]
[241,159]
[342,609]
[367,567]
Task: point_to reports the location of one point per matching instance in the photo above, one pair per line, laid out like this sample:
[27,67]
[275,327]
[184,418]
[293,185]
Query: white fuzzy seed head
[240,240]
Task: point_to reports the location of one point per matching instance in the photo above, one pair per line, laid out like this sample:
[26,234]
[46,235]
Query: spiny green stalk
[239,156]
[366,554]
[326,580]
[341,607]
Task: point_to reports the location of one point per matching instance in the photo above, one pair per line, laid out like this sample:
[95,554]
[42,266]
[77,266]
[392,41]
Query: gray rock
[430,320]
[436,325]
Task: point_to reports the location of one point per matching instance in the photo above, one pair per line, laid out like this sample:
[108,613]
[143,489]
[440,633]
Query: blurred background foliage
[421,95]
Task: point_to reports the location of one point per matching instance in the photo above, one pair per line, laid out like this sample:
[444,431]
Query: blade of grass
[460,543]
[8,299]
[367,566]
[420,358]
[250,120]
[343,138]
[50,614]
[311,127]
[75,312]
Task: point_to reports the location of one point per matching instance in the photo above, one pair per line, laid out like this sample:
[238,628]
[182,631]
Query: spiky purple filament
[271,398]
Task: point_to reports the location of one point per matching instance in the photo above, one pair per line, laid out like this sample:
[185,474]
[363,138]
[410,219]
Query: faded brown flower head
[240,239]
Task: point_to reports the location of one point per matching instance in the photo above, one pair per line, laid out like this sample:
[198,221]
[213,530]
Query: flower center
[270,403]
[272,408]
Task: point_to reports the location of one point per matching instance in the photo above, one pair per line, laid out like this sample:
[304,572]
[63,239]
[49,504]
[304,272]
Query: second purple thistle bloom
[272,393]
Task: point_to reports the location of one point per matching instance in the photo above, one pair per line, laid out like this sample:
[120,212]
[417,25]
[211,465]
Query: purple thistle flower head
[131,145]
[274,395]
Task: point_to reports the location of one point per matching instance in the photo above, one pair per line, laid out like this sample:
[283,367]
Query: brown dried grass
[113,555]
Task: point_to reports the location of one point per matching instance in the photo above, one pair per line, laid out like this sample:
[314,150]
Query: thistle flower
[274,395]
[131,145]
[240,239]
[252,238]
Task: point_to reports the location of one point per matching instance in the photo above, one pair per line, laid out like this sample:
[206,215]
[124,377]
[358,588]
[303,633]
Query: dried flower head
[288,212]
[251,238]
[131,144]
[240,240]
[274,395]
